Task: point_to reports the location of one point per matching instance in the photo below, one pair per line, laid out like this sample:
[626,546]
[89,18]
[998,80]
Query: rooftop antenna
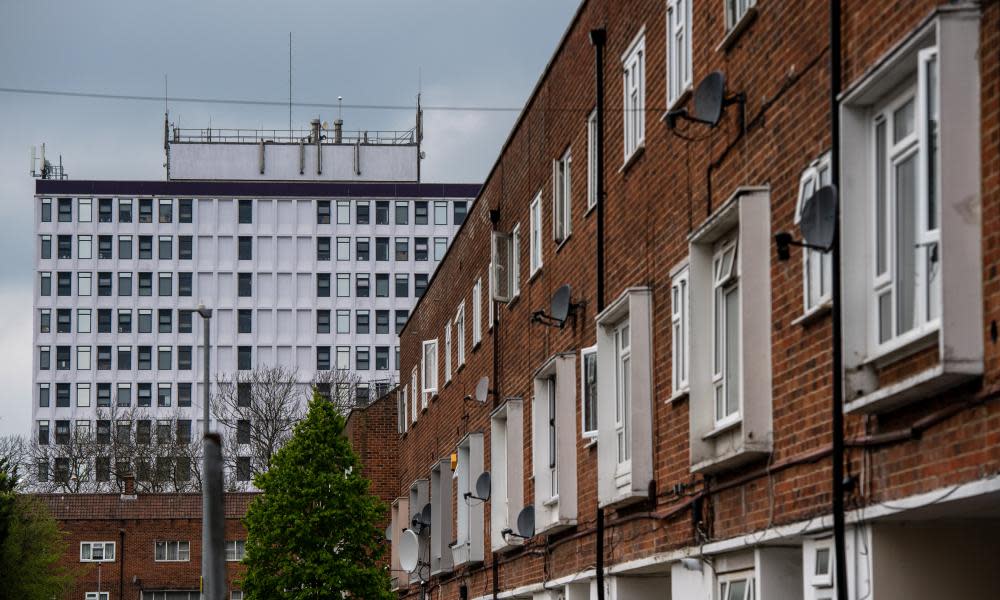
[289,81]
[340,108]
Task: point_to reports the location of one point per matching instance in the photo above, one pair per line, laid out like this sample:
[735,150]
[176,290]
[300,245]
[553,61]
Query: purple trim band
[198,189]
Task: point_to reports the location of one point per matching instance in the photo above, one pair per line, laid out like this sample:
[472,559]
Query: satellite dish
[425,515]
[560,303]
[325,126]
[388,533]
[819,217]
[482,389]
[526,522]
[409,551]
[483,486]
[708,98]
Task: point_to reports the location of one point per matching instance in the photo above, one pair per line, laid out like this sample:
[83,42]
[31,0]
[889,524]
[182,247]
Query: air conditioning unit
[501,271]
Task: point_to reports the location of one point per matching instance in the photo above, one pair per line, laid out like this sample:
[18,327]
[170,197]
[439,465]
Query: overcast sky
[460,52]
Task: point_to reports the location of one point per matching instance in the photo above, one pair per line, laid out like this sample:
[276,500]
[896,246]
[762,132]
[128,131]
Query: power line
[237,101]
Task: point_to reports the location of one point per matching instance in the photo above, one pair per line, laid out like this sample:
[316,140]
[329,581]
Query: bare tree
[257,411]
[16,450]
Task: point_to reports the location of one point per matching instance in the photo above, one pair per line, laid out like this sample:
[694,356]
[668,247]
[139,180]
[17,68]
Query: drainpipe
[121,564]
[598,37]
[837,418]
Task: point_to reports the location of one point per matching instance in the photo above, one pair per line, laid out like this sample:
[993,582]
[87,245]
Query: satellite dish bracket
[540,316]
[508,532]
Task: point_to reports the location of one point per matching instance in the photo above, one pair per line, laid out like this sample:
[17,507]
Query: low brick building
[145,546]
[666,419]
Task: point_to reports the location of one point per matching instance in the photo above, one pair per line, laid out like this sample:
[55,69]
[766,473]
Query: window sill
[720,429]
[814,314]
[553,501]
[590,209]
[562,242]
[534,274]
[591,441]
[631,159]
[513,300]
[678,396]
[678,102]
[734,34]
[903,347]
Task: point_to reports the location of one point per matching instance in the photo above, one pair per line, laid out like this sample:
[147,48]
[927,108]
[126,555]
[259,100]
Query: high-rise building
[311,247]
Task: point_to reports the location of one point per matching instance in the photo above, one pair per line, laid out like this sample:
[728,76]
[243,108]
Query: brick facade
[941,441]
[135,524]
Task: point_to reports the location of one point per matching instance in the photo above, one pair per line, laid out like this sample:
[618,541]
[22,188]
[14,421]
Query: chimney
[314,126]
[338,131]
[129,485]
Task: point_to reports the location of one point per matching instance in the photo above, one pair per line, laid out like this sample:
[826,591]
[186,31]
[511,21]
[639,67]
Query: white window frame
[460,335]
[535,241]
[679,330]
[679,49]
[554,444]
[84,247]
[562,197]
[429,370]
[414,410]
[182,548]
[477,312]
[96,596]
[592,190]
[489,299]
[817,266]
[736,11]
[725,581]
[506,469]
[402,410]
[469,546]
[107,556]
[238,547]
[515,262]
[725,282]
[587,409]
[84,210]
[447,351]
[623,400]
[634,92]
[84,284]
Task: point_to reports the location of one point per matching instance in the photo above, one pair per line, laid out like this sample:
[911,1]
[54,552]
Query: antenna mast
[289,82]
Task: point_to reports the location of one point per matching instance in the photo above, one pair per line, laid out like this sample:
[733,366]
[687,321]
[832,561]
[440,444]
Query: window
[323,248]
[402,281]
[323,285]
[145,210]
[588,392]
[343,212]
[84,247]
[104,357]
[322,358]
[124,210]
[62,358]
[64,246]
[736,586]
[679,331]
[381,321]
[561,198]
[447,351]
[185,210]
[97,552]
[145,284]
[402,213]
[440,247]
[536,234]
[401,316]
[460,335]
[245,247]
[64,284]
[634,85]
[103,284]
[440,213]
[144,395]
[65,210]
[46,210]
[381,285]
[235,550]
[381,248]
[183,431]
[145,247]
[362,249]
[243,431]
[817,266]
[124,284]
[246,211]
[85,210]
[460,209]
[678,49]
[362,322]
[363,212]
[164,358]
[244,286]
[185,247]
[166,212]
[244,317]
[343,358]
[419,284]
[623,398]
[83,358]
[381,212]
[736,10]
[62,432]
[104,210]
[401,409]
[165,287]
[44,320]
[243,394]
[244,358]
[592,191]
[420,250]
[64,318]
[45,251]
[343,248]
[554,444]
[725,332]
[420,212]
[362,285]
[413,399]
[43,433]
[185,320]
[323,212]
[362,358]
[44,361]
[381,358]
[45,284]
[145,321]
[43,395]
[124,248]
[429,366]
[172,551]
[184,395]
[323,321]
[477,312]
[183,358]
[402,249]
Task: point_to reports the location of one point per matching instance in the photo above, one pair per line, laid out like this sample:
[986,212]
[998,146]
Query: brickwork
[135,524]
[781,62]
[372,432]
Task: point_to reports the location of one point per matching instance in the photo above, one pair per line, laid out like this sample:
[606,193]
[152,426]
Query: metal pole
[837,402]
[213,522]
[206,315]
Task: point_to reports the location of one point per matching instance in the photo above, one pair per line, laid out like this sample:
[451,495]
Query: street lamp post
[213,567]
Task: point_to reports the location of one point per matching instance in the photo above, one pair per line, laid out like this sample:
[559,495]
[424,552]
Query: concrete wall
[192,160]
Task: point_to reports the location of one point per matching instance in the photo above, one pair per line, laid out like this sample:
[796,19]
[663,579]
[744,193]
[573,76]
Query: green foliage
[30,546]
[312,533]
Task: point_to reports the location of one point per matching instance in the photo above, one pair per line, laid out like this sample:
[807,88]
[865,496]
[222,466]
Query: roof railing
[291,136]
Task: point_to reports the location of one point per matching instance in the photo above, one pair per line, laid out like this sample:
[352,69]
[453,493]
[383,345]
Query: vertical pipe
[121,564]
[213,524]
[837,418]
[206,315]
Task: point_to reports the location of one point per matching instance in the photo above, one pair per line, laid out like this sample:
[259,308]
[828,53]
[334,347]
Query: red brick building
[668,420]
[145,546]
